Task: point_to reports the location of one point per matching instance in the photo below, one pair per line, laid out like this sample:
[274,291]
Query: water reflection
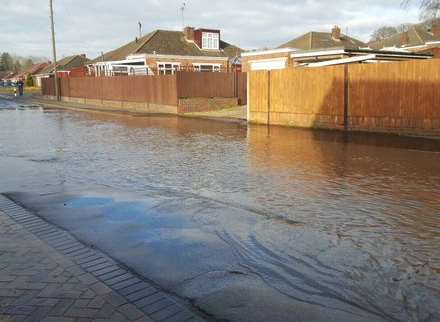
[251,224]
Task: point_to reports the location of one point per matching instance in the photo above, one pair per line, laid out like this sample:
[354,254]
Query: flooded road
[244,224]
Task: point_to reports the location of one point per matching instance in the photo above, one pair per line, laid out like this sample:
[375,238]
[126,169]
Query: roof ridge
[147,39]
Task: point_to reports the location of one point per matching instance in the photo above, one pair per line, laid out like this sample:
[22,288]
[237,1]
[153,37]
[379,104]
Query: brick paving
[48,275]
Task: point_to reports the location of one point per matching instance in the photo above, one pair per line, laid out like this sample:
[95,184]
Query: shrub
[29,81]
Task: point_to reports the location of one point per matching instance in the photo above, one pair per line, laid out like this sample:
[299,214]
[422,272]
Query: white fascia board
[144,56]
[318,53]
[343,61]
[268,52]
[267,59]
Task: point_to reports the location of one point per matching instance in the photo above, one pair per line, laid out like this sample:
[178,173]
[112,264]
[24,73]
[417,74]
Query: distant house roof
[34,69]
[65,64]
[416,35]
[4,74]
[167,42]
[9,75]
[322,40]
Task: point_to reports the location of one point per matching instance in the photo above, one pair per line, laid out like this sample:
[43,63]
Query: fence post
[235,84]
[346,95]
[58,80]
[268,97]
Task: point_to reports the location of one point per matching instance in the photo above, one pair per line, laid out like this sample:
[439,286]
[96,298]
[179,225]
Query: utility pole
[54,51]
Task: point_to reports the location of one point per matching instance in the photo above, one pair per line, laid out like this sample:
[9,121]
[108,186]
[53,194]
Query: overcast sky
[92,26]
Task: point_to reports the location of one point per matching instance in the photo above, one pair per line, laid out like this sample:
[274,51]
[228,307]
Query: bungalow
[67,66]
[319,49]
[421,38]
[31,70]
[167,51]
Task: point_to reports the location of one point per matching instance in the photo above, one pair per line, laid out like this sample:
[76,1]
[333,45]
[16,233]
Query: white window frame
[216,68]
[162,69]
[210,40]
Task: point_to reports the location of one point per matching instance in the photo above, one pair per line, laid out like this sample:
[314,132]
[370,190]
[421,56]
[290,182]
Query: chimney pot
[189,33]
[336,33]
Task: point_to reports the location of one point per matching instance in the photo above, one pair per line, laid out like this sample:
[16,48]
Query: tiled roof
[415,36]
[318,40]
[35,68]
[167,42]
[67,63]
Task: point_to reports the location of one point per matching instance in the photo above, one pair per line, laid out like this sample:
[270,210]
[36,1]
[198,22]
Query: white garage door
[268,64]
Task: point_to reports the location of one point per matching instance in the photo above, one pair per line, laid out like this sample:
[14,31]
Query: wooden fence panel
[395,97]
[400,97]
[258,104]
[241,88]
[48,86]
[298,97]
[307,97]
[195,84]
[159,89]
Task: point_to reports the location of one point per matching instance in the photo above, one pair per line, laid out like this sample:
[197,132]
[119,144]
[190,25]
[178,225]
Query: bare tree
[383,32]
[429,9]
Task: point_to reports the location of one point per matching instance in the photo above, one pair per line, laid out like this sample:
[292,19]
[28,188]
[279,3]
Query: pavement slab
[46,274]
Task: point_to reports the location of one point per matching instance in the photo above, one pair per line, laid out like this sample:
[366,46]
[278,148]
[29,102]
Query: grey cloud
[92,26]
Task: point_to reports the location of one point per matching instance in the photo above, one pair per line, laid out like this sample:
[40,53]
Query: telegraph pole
[54,51]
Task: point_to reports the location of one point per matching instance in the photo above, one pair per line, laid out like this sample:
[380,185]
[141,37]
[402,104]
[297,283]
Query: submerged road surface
[244,224]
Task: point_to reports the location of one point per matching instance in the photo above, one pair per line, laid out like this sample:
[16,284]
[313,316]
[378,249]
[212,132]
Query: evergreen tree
[6,62]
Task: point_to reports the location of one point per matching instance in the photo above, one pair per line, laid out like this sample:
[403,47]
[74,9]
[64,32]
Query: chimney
[435,28]
[189,33]
[336,33]
[404,38]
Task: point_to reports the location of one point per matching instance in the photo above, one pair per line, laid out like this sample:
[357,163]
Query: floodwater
[242,224]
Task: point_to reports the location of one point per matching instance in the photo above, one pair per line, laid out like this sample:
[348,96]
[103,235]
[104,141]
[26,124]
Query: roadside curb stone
[46,274]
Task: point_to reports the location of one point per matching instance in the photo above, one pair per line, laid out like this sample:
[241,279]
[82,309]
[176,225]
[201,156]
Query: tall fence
[159,89]
[401,97]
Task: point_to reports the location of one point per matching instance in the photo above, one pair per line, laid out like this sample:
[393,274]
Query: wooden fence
[160,89]
[401,97]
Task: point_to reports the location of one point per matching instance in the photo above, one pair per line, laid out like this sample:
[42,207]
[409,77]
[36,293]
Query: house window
[207,67]
[168,68]
[210,40]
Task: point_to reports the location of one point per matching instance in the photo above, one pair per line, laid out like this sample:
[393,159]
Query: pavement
[46,274]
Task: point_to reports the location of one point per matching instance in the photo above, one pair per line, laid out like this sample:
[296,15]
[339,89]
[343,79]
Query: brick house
[280,57]
[30,71]
[420,38]
[167,51]
[74,64]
